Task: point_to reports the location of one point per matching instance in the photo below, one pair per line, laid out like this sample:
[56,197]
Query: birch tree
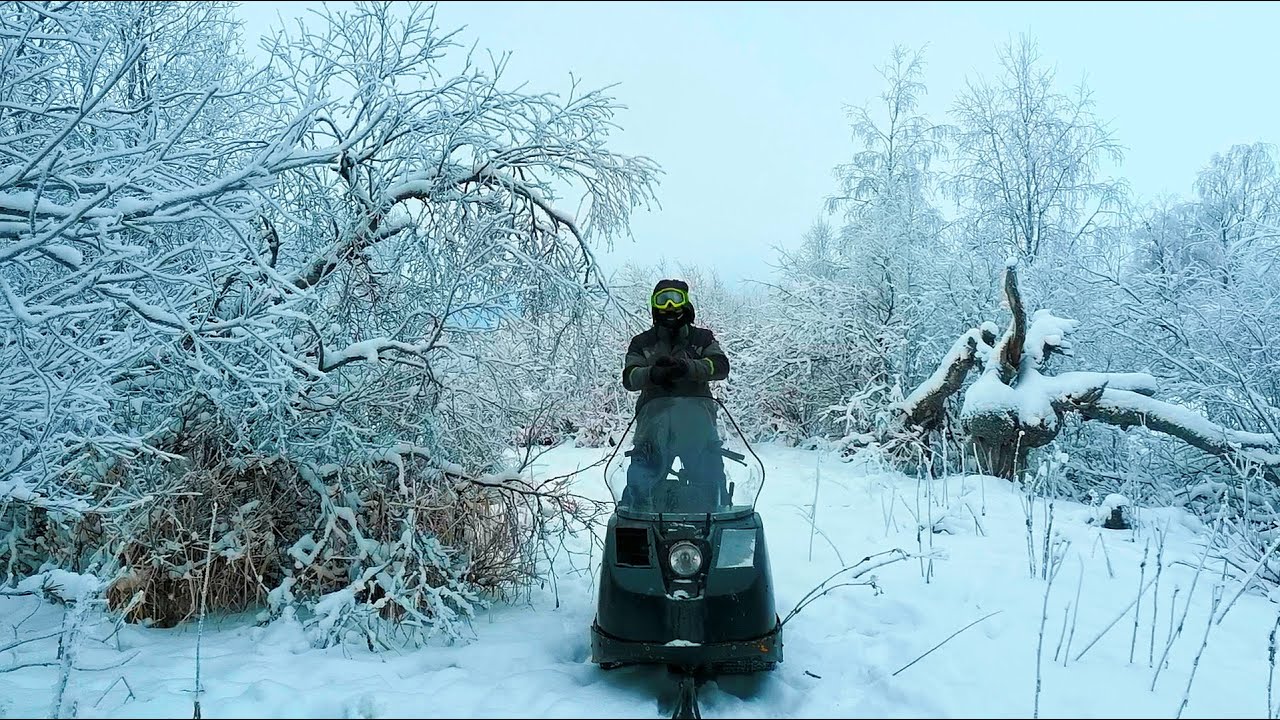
[850,302]
[1029,158]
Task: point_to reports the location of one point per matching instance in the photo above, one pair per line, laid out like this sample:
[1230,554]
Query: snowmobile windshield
[683,456]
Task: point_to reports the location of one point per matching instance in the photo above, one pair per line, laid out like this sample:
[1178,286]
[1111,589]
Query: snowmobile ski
[687,700]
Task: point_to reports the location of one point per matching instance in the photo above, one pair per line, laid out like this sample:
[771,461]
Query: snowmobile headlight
[685,558]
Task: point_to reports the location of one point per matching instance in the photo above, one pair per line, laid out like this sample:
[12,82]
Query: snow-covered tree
[1028,158]
[852,302]
[1237,209]
[214,279]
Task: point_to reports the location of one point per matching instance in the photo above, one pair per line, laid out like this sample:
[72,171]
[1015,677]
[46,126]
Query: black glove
[665,371]
[679,368]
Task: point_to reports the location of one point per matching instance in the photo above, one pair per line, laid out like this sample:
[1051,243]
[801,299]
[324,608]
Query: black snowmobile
[685,579]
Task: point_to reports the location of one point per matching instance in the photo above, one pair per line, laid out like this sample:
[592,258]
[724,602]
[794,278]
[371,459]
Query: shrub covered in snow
[262,309]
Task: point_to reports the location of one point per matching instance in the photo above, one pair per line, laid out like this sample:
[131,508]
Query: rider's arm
[713,365]
[635,369]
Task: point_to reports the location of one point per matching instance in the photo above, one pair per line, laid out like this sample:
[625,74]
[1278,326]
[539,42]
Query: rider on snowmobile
[669,363]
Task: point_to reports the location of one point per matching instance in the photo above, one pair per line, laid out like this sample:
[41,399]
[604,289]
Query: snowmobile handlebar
[734,456]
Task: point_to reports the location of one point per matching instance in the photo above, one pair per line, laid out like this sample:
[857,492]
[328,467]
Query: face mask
[670,319]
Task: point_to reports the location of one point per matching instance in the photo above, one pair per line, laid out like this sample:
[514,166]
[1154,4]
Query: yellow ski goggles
[669,299]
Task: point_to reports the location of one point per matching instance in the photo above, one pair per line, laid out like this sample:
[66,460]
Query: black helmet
[670,303]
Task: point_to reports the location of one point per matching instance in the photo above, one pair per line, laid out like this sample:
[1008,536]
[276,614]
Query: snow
[531,658]
[1262,457]
[15,304]
[1032,399]
[67,586]
[988,394]
[15,490]
[1115,500]
[331,607]
[1112,501]
[1048,331]
[65,254]
[1119,398]
[1078,383]
[369,350]
[1035,394]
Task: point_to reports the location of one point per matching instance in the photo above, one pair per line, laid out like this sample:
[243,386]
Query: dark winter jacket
[694,346]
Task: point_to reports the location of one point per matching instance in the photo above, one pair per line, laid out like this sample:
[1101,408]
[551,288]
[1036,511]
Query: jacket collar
[679,334]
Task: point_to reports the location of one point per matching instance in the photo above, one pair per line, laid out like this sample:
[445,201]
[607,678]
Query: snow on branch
[923,408]
[1125,409]
[370,350]
[1047,335]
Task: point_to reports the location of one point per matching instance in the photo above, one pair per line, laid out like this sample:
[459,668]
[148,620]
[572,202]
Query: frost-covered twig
[68,650]
[946,640]
[1112,624]
[1190,596]
[204,604]
[1062,634]
[1244,584]
[1161,534]
[1075,614]
[1271,665]
[1137,613]
[822,534]
[857,570]
[1173,601]
[1204,642]
[1044,617]
[1046,558]
[120,679]
[20,666]
[813,507]
[1029,512]
[1111,573]
[24,641]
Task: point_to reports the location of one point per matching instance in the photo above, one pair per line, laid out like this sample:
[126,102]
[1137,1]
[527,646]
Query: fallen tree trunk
[1013,407]
[1126,409]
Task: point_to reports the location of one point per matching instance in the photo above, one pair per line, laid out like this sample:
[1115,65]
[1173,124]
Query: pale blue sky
[742,104]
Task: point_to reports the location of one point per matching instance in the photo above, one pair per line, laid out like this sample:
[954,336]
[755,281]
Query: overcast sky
[742,104]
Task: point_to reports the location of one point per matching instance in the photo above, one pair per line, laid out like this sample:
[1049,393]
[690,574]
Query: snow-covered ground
[842,652]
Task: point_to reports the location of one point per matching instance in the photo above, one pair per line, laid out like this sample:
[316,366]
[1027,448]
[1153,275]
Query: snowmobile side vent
[632,546]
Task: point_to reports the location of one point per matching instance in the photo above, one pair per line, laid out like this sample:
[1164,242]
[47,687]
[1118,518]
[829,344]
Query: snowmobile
[685,579]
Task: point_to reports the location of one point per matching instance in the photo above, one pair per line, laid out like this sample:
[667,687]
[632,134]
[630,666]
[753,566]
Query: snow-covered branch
[924,407]
[1125,409]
